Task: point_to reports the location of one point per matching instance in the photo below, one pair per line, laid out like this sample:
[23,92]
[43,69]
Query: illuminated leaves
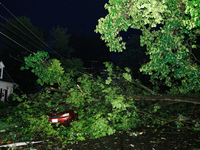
[102,104]
[167,47]
[48,71]
[127,77]
[118,103]
[193,9]
[124,14]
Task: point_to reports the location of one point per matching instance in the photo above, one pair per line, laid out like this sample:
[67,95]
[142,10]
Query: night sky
[79,16]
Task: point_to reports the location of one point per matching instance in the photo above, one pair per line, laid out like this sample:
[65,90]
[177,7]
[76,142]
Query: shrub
[3,105]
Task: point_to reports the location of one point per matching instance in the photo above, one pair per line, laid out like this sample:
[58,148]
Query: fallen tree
[120,102]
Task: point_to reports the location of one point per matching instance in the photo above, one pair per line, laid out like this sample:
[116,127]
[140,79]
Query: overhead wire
[33,45]
[37,39]
[19,31]
[30,50]
[8,75]
[37,36]
[19,37]
[16,42]
[23,25]
[9,38]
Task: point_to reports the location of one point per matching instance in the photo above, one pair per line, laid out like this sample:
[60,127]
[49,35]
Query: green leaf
[109,80]
[127,77]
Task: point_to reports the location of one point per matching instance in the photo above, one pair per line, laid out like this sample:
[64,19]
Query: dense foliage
[170,48]
[119,102]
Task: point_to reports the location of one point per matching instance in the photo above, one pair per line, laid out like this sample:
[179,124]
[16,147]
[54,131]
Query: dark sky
[79,16]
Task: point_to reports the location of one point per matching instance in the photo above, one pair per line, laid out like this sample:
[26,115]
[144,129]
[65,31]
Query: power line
[34,53]
[16,42]
[18,30]
[8,75]
[39,39]
[24,25]
[29,42]
[12,80]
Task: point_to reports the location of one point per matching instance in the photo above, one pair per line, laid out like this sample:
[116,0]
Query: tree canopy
[60,41]
[120,101]
[170,47]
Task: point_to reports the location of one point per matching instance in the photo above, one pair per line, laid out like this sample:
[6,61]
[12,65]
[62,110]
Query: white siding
[5,86]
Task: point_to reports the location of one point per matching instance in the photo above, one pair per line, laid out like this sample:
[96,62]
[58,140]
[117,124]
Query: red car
[64,117]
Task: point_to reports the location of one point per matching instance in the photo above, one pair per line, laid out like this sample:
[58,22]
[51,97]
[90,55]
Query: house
[6,83]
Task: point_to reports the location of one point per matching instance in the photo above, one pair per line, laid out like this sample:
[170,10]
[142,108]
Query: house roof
[6,77]
[1,65]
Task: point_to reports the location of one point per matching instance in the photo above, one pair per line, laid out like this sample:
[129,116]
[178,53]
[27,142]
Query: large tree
[170,48]
[60,42]
[120,102]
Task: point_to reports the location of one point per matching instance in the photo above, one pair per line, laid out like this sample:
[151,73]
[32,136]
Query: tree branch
[179,99]
[80,89]
[144,87]
[59,90]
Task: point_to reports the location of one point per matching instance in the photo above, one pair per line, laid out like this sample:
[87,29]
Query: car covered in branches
[62,114]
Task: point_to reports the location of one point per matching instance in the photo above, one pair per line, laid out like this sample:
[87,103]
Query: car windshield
[60,107]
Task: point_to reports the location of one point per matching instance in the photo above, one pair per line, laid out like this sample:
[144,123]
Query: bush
[10,102]
[3,105]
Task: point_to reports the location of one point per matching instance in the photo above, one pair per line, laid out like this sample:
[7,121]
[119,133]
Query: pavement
[19,144]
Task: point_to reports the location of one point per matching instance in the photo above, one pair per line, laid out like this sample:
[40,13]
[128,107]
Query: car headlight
[65,115]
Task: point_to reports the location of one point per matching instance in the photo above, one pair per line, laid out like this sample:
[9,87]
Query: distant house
[6,84]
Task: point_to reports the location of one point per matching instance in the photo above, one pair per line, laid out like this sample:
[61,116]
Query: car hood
[55,113]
